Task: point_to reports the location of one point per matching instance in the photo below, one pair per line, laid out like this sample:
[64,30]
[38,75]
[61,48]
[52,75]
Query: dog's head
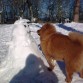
[47,28]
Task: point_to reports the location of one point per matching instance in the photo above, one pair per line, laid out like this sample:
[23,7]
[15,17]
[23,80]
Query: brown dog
[61,47]
[76,37]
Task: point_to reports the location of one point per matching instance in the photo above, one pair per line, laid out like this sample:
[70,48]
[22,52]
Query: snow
[21,60]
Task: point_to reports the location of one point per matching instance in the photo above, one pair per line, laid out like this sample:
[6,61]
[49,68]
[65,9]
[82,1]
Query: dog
[75,36]
[59,47]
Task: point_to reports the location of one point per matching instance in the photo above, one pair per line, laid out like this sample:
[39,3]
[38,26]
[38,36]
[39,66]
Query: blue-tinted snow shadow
[39,26]
[68,28]
[34,72]
[39,47]
[61,65]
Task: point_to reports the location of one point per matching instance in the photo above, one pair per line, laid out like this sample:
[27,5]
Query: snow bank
[23,55]
[24,62]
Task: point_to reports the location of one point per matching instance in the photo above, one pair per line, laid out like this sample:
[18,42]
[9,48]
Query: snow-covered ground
[21,60]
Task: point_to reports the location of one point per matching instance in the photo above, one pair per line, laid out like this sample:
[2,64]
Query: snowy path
[5,36]
[35,70]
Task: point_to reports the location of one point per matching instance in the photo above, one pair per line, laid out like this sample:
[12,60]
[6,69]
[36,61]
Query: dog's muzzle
[38,32]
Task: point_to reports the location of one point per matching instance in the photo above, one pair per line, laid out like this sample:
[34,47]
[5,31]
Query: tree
[18,11]
[51,8]
[59,10]
[76,10]
[35,4]
[30,8]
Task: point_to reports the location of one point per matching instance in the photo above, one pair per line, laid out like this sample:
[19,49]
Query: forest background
[41,10]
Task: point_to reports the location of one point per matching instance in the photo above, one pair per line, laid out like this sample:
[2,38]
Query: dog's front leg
[69,73]
[81,73]
[50,62]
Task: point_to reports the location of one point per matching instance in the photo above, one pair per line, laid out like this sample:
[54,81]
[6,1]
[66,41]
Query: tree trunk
[30,8]
[31,11]
[76,11]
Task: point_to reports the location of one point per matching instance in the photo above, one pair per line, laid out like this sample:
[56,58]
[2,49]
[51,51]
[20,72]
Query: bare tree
[17,6]
[30,8]
[76,10]
[35,8]
[1,10]
[59,9]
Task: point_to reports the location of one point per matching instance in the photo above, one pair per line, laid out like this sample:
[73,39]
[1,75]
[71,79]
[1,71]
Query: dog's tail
[74,36]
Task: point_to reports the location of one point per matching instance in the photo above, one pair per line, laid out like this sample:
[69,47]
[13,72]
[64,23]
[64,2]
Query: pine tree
[76,10]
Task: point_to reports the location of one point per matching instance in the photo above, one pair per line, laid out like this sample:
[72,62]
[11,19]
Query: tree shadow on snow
[68,28]
[34,72]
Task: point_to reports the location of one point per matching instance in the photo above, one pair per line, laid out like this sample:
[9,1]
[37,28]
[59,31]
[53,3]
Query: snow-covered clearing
[21,60]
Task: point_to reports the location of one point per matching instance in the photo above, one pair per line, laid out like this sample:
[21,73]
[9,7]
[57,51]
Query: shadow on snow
[68,28]
[34,72]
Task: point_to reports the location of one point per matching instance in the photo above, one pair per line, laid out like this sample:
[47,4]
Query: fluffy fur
[76,37]
[56,46]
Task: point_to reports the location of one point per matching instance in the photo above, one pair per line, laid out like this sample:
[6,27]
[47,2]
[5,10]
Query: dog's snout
[38,32]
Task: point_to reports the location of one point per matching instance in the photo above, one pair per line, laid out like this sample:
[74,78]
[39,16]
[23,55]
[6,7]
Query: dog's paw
[67,81]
